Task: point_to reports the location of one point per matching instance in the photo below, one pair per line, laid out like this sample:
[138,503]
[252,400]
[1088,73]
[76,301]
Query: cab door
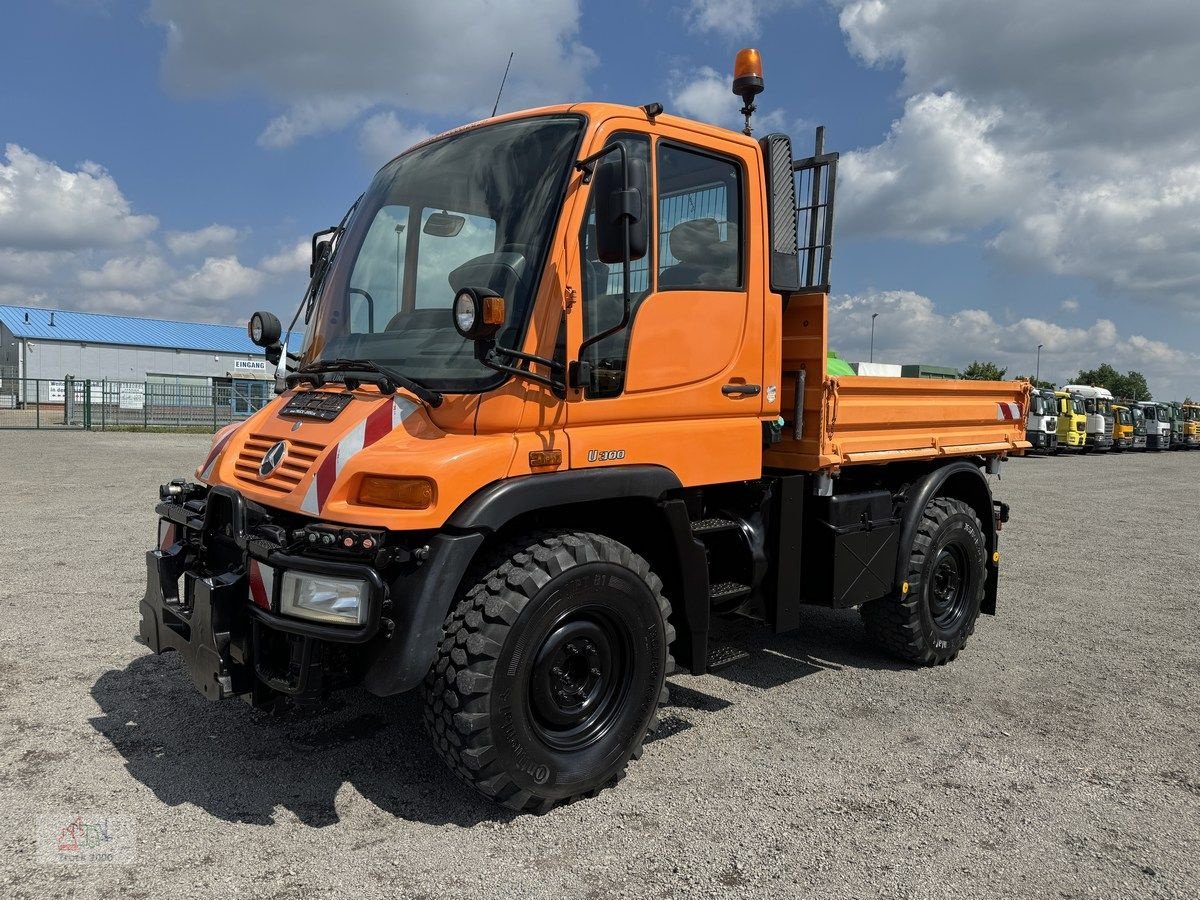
[681,386]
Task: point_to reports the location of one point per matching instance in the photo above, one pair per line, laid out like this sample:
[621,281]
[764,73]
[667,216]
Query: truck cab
[1072,422]
[560,407]
[1185,426]
[1122,428]
[1097,404]
[1157,417]
[1139,425]
[1190,413]
[1041,423]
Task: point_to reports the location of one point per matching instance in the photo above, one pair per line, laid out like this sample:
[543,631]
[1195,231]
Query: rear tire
[551,671]
[930,623]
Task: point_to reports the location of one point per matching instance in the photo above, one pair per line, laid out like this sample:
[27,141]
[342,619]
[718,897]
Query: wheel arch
[639,506]
[962,480]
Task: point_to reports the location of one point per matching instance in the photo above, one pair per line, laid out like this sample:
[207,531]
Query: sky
[1012,174]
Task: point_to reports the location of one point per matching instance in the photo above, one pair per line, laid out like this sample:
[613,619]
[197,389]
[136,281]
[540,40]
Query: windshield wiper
[387,379]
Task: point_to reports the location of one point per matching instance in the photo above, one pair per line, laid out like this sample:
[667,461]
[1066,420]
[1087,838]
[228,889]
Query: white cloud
[218,279]
[937,175]
[327,66]
[288,260]
[910,329]
[1070,305]
[45,207]
[213,238]
[732,18]
[1069,128]
[70,239]
[129,273]
[312,116]
[706,95]
[384,136]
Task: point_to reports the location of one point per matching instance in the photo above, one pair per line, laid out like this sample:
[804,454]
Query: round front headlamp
[466,313]
[478,313]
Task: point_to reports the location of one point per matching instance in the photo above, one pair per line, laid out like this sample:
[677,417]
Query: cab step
[722,655]
[728,590]
[713,525]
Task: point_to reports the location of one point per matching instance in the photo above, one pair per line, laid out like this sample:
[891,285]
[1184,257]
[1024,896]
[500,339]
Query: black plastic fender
[966,481]
[495,505]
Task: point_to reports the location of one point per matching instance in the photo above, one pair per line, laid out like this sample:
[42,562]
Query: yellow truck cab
[1122,428]
[1072,422]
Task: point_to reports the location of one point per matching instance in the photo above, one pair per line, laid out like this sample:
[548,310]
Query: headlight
[478,313]
[323,598]
[464,312]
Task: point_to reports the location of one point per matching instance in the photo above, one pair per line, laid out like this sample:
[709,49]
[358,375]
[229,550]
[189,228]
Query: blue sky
[1012,174]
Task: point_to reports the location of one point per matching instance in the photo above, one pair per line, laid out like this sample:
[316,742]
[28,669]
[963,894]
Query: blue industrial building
[54,344]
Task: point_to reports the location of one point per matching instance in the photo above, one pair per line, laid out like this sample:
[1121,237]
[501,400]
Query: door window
[699,214]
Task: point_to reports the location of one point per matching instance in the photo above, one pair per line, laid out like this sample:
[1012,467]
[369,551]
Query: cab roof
[598,112]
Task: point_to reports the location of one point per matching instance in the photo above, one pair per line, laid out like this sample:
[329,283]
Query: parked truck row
[1081,419]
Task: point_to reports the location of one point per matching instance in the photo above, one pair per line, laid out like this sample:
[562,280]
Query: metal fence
[126,405]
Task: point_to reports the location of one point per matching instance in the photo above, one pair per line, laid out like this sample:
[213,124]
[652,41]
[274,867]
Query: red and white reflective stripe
[262,584]
[166,534]
[379,424]
[211,461]
[1007,412]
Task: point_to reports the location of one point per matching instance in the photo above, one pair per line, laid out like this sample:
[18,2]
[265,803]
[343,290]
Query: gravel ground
[1057,757]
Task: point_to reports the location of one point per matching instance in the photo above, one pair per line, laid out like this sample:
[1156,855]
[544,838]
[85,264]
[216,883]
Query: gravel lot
[1057,757]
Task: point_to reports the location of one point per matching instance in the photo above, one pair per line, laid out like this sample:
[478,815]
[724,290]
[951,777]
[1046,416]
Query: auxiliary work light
[478,313]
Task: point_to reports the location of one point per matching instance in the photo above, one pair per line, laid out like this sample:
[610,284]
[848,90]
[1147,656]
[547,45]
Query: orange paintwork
[683,347]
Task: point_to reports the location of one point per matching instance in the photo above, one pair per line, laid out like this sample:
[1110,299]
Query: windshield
[475,209]
[1103,406]
[1123,417]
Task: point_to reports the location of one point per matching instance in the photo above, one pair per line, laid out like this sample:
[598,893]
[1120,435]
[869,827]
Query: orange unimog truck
[561,404]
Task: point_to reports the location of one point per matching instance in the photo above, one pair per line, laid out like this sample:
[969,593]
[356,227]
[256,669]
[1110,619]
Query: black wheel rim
[949,587]
[582,674]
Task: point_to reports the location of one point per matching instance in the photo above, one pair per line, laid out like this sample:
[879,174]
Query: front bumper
[198,603]
[1099,441]
[1040,440]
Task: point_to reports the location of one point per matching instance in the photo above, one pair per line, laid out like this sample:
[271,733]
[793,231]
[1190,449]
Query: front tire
[930,623]
[551,671]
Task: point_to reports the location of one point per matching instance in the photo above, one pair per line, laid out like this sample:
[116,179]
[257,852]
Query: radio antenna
[502,80]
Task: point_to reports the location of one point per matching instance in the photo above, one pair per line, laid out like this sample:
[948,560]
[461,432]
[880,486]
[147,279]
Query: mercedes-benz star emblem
[271,461]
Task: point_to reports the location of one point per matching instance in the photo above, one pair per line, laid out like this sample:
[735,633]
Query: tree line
[1129,385]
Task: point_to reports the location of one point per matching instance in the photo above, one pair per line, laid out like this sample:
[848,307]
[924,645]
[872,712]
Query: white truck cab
[1158,425]
[1098,404]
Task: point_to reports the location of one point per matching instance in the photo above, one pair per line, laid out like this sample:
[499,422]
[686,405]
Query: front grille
[296,464]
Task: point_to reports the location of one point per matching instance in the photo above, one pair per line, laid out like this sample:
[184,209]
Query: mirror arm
[488,355]
[625,217]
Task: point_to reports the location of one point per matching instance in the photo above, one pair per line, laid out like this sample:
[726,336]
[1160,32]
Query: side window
[699,214]
[603,294]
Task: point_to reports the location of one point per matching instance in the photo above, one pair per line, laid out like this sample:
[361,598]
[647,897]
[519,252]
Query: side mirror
[264,329]
[320,255]
[478,313]
[616,205]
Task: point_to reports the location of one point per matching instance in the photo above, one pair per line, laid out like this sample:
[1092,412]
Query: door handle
[740,390]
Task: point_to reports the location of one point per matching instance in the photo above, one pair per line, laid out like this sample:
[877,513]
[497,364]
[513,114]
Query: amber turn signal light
[493,310]
[396,493]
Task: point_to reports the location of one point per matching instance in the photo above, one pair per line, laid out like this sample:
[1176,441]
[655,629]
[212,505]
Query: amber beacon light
[747,81]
